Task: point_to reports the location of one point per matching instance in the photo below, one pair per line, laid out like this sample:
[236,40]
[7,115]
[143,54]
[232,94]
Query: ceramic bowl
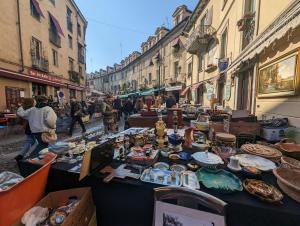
[175,139]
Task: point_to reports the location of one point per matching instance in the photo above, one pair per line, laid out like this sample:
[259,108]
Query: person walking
[76,114]
[118,105]
[30,140]
[42,120]
[170,102]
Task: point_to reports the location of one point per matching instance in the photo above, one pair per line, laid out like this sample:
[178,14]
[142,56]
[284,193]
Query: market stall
[253,178]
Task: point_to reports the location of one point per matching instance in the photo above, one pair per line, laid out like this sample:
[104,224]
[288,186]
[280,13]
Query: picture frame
[280,78]
[167,214]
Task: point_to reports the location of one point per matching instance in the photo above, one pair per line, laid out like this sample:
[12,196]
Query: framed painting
[279,78]
[171,215]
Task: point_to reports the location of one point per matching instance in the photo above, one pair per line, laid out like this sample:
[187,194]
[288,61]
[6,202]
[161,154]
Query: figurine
[160,132]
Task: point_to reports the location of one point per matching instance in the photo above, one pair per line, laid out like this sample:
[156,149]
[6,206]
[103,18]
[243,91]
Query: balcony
[54,38]
[40,64]
[199,39]
[74,76]
[81,58]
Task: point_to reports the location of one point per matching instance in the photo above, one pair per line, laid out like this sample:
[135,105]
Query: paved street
[10,146]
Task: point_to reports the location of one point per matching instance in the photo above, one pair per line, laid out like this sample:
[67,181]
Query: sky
[116,28]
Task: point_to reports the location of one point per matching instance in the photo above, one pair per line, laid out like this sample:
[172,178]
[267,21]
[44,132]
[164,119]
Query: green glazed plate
[219,180]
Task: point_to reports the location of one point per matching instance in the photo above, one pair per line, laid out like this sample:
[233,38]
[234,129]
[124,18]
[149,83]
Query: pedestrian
[170,102]
[128,107]
[30,140]
[109,121]
[139,105]
[118,105]
[42,121]
[76,114]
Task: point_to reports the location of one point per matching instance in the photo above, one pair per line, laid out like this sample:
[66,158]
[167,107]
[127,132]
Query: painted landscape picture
[278,79]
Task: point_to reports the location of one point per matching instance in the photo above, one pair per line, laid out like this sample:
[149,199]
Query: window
[39,89]
[80,71]
[176,69]
[70,40]
[36,48]
[71,64]
[190,69]
[34,11]
[249,6]
[249,20]
[212,53]
[150,78]
[72,93]
[52,1]
[55,57]
[201,62]
[223,52]
[69,20]
[78,29]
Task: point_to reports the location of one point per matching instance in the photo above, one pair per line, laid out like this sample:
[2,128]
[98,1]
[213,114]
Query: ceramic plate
[258,162]
[219,180]
[207,158]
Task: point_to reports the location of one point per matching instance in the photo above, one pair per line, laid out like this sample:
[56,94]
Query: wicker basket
[289,148]
[289,182]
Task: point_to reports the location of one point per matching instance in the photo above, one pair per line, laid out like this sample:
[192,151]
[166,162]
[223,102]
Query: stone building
[42,50]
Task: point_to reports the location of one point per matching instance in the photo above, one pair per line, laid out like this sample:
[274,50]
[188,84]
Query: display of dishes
[207,159]
[163,177]
[289,181]
[288,162]
[251,172]
[189,179]
[262,150]
[219,180]
[178,168]
[258,162]
[262,190]
[161,166]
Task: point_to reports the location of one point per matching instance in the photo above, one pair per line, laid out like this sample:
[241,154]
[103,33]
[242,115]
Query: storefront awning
[176,42]
[287,21]
[57,25]
[184,92]
[173,88]
[37,7]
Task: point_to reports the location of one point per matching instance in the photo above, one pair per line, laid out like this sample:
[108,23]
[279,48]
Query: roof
[180,8]
[78,11]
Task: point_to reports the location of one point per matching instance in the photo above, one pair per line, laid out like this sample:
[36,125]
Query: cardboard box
[80,216]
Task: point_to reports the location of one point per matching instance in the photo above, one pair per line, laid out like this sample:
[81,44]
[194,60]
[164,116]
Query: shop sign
[209,91]
[228,90]
[45,76]
[223,64]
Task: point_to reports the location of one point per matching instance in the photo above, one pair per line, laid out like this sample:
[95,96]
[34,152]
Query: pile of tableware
[225,139]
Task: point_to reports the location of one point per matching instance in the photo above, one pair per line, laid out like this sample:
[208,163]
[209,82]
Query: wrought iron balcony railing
[81,58]
[74,76]
[40,64]
[199,38]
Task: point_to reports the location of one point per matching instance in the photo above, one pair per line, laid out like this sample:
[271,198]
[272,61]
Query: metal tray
[146,178]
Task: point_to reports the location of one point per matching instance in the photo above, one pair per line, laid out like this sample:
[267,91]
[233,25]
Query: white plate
[258,162]
[207,158]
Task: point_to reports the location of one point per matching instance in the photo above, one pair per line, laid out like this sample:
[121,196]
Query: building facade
[241,54]
[42,50]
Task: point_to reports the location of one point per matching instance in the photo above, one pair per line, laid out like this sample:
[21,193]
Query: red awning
[57,26]
[37,7]
[184,92]
[176,42]
[196,86]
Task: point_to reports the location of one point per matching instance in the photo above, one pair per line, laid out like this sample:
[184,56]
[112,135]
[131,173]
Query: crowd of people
[41,113]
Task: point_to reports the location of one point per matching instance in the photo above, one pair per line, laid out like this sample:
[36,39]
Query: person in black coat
[76,114]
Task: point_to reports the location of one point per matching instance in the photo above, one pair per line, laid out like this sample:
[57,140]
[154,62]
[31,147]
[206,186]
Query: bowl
[288,162]
[175,139]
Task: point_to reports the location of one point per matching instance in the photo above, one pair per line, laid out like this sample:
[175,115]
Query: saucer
[234,169]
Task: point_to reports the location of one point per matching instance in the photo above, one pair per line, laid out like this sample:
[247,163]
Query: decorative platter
[185,156]
[219,180]
[207,159]
[258,162]
[263,191]
[262,150]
